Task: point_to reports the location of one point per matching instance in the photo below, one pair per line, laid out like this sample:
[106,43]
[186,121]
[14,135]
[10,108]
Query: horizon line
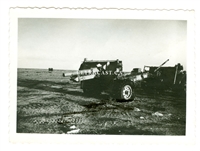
[42,68]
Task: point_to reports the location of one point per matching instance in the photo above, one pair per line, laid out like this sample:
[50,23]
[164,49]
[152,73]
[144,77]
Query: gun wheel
[126,92]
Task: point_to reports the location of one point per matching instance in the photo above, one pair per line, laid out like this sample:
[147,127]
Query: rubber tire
[125,92]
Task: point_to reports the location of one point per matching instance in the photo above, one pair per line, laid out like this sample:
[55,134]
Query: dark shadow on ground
[47,86]
[64,88]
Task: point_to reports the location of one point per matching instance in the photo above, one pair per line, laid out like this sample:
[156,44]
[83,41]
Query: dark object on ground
[104,76]
[107,76]
[165,78]
[50,69]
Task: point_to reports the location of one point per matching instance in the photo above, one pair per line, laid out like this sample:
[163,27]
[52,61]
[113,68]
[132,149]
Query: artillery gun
[165,78]
[107,76]
[104,76]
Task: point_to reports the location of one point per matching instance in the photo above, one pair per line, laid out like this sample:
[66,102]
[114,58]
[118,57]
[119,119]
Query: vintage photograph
[101,76]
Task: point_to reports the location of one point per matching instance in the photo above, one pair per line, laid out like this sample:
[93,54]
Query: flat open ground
[50,103]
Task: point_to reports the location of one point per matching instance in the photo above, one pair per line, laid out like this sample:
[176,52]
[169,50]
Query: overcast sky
[64,43]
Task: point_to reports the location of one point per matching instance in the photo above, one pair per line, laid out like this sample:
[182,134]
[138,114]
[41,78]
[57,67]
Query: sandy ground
[50,103]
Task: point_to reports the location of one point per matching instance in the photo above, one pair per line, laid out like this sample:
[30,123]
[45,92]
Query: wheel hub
[127,92]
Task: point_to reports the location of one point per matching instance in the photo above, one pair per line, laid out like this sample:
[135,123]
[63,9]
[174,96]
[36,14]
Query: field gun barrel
[69,73]
[82,75]
[161,65]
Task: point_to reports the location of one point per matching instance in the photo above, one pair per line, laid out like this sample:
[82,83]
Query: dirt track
[50,103]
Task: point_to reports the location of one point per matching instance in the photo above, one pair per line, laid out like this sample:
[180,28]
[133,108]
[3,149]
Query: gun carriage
[107,76]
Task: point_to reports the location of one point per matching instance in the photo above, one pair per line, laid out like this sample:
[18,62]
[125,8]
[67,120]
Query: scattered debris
[105,124]
[72,127]
[169,114]
[141,117]
[157,114]
[136,109]
[73,131]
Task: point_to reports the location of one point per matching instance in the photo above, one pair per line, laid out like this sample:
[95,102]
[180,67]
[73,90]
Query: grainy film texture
[101,76]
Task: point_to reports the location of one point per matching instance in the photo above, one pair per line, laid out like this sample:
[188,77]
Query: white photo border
[103,13]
